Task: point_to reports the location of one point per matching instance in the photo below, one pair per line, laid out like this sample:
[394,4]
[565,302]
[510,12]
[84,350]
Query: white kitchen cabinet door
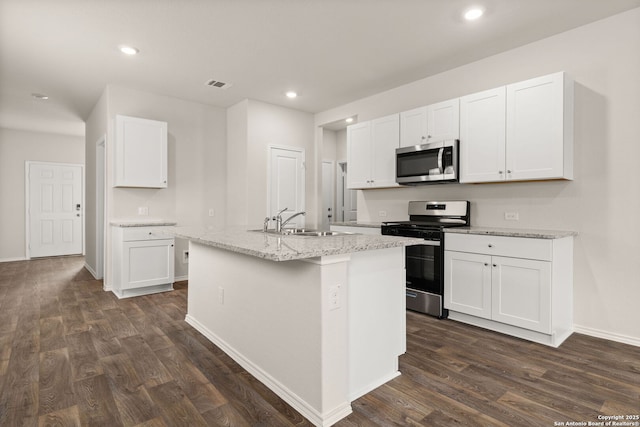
[539,128]
[443,120]
[521,293]
[483,136]
[140,153]
[147,263]
[413,127]
[467,284]
[385,139]
[359,155]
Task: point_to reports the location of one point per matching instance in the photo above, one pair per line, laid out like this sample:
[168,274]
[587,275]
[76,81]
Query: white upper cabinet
[540,128]
[522,131]
[434,122]
[413,127]
[482,136]
[140,153]
[371,152]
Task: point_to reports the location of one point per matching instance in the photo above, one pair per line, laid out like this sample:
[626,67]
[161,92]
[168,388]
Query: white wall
[16,147]
[602,203]
[252,127]
[96,129]
[197,162]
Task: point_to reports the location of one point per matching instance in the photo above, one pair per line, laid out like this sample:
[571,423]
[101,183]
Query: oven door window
[423,268]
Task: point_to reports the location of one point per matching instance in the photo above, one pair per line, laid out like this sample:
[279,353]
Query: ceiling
[330,51]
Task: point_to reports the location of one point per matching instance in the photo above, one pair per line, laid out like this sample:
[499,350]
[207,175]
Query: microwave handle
[440,154]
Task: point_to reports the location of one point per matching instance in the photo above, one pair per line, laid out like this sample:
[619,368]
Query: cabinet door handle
[486,264]
[508,171]
[495,265]
[500,172]
[490,245]
[171,245]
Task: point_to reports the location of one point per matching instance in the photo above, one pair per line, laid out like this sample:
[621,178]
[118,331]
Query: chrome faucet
[290,218]
[280,223]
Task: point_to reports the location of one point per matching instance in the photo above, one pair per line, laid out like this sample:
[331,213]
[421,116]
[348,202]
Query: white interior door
[55,209]
[328,194]
[286,183]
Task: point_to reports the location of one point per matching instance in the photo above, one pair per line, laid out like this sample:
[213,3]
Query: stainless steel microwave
[436,162]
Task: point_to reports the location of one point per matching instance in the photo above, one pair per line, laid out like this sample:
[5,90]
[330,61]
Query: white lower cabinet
[143,261]
[519,286]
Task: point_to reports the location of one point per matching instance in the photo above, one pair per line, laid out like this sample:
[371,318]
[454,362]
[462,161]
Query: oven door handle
[412,294]
[440,154]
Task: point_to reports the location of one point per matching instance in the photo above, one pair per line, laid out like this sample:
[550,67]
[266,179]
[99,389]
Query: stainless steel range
[425,263]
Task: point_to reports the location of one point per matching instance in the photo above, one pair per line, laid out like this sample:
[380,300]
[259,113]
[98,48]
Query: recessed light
[349,120]
[291,94]
[128,50]
[473,14]
[39,96]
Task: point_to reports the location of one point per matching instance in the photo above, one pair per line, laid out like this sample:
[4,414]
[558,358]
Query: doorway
[328,193]
[55,209]
[347,199]
[286,184]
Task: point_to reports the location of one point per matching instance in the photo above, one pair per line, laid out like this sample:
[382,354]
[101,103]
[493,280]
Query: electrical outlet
[221,295]
[212,212]
[143,210]
[382,213]
[511,216]
[334,297]
[185,257]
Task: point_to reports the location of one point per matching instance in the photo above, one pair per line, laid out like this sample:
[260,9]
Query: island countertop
[288,247]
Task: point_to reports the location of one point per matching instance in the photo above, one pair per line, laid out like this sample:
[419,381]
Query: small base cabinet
[143,261]
[519,286]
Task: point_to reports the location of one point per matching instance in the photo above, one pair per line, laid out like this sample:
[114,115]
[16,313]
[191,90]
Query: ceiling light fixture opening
[473,14]
[40,96]
[128,50]
[291,94]
[349,120]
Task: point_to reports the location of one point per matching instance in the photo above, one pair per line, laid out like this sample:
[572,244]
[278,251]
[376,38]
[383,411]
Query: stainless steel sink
[322,233]
[304,232]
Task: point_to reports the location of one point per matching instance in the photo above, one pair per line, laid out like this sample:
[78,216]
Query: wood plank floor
[74,355]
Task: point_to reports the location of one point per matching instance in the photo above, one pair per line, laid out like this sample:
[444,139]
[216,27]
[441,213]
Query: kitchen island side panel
[273,318]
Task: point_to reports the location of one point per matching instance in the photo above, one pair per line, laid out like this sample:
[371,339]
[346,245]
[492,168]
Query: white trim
[327,418]
[13,259]
[91,270]
[304,175]
[101,148]
[27,182]
[181,278]
[611,336]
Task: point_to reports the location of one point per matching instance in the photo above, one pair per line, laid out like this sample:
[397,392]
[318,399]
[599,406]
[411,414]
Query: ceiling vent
[218,84]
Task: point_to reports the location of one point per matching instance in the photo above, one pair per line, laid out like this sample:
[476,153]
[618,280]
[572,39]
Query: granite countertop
[288,247]
[357,224]
[138,222]
[512,232]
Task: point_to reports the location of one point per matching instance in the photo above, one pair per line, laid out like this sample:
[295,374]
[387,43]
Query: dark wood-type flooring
[72,354]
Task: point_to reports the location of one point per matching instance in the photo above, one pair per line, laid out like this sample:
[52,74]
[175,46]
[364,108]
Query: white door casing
[286,183]
[347,199]
[55,209]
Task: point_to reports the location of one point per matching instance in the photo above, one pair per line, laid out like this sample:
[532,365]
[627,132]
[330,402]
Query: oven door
[423,268]
[424,279]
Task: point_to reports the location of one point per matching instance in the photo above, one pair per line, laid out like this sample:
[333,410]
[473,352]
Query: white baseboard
[13,259]
[181,278]
[314,416]
[624,339]
[92,271]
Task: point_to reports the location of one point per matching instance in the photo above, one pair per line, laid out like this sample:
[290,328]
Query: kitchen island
[319,320]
